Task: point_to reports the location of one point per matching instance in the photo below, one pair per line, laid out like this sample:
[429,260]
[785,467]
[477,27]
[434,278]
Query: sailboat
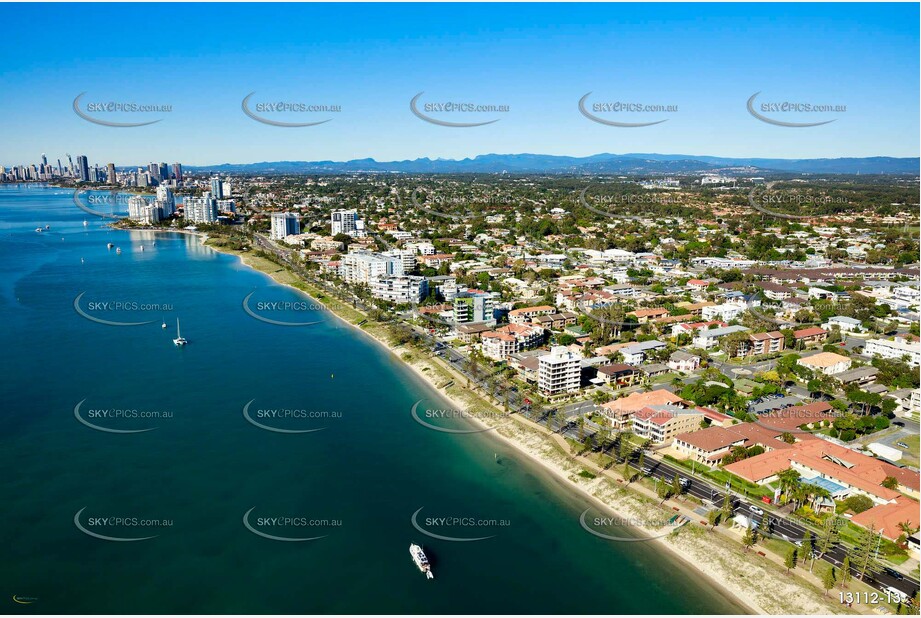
[179,340]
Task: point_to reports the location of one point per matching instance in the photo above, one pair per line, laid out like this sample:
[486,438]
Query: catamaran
[421,560]
[179,340]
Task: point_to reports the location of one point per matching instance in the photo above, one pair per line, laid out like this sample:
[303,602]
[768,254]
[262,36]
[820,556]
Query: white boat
[47,227]
[179,340]
[39,230]
[421,560]
[85,223]
[109,245]
[164,324]
[142,247]
[118,250]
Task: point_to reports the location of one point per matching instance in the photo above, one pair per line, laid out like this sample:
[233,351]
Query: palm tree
[789,480]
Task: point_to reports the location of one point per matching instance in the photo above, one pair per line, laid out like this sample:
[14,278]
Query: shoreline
[594,491]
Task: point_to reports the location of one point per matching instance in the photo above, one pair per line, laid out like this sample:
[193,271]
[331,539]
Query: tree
[749,538]
[727,507]
[713,517]
[828,579]
[845,572]
[733,343]
[789,479]
[809,549]
[829,535]
[789,560]
[664,490]
[890,482]
[676,485]
[862,553]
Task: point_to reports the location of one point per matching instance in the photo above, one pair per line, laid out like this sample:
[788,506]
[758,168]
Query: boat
[47,227]
[39,230]
[118,250]
[142,247]
[85,223]
[110,245]
[179,340]
[421,561]
[164,324]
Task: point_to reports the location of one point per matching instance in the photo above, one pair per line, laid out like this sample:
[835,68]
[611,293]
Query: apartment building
[828,363]
[895,349]
[473,306]
[661,423]
[399,288]
[764,343]
[364,266]
[559,372]
[706,339]
[502,342]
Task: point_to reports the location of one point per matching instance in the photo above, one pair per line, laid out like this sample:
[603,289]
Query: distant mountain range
[594,164]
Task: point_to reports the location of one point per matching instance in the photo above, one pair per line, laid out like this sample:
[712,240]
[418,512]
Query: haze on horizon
[538,60]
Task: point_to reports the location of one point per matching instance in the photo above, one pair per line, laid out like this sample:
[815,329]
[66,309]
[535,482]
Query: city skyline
[536,61]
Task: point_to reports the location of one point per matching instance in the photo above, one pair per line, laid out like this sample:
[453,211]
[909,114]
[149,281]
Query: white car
[754,509]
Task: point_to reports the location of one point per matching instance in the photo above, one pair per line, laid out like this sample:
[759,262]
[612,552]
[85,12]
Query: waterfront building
[559,372]
[217,188]
[364,266]
[83,168]
[166,202]
[200,209]
[284,224]
[399,288]
[111,177]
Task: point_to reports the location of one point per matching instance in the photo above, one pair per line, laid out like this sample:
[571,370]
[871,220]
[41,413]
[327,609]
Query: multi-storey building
[473,306]
[284,224]
[365,266]
[344,221]
[895,349]
[559,372]
[200,209]
[399,288]
[661,423]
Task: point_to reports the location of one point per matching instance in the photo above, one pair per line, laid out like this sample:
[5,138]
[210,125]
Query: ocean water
[189,482]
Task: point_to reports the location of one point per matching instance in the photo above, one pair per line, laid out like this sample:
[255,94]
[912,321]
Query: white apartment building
[284,224]
[136,206]
[408,258]
[365,266]
[166,201]
[706,339]
[894,349]
[344,222]
[421,247]
[399,288]
[559,372]
[200,209]
[725,312]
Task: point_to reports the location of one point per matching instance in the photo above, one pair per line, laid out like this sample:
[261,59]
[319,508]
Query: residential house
[683,361]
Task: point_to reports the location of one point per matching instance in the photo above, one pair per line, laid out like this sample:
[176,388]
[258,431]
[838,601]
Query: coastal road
[778,527]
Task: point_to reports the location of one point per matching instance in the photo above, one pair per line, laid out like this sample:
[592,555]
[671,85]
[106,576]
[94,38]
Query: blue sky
[538,59]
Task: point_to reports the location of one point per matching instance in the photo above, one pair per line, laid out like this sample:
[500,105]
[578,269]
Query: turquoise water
[359,479]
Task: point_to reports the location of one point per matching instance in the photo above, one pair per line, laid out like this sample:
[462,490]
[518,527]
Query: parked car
[901,445]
